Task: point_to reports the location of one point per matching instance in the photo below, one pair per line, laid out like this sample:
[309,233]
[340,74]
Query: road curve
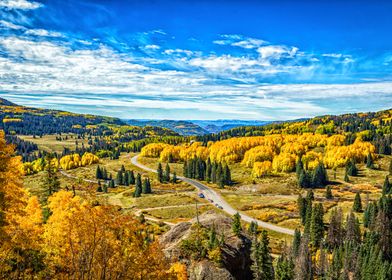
[217,199]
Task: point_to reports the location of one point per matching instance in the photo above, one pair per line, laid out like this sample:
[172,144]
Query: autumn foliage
[271,153]
[81,239]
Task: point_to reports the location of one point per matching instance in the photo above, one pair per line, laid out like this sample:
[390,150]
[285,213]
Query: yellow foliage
[153,150]
[179,269]
[73,161]
[257,154]
[261,169]
[284,162]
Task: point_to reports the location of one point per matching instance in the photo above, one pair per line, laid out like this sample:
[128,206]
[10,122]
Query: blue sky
[264,60]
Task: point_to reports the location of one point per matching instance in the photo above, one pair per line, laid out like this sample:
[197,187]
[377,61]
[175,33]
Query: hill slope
[184,128]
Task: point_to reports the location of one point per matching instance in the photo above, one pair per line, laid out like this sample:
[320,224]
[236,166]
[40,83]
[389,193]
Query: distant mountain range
[197,127]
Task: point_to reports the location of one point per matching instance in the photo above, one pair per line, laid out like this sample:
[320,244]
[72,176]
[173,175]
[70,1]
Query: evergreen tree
[119,177]
[138,186]
[296,242]
[236,224]
[319,177]
[252,229]
[174,179]
[301,205]
[351,169]
[357,206]
[304,180]
[369,161]
[262,267]
[227,175]
[126,178]
[386,188]
[98,173]
[112,184]
[99,188]
[346,178]
[353,231]
[122,168]
[145,186]
[51,181]
[213,173]
[303,263]
[131,178]
[208,170]
[284,268]
[328,193]
[299,167]
[335,232]
[317,225]
[167,173]
[160,173]
[105,188]
[185,169]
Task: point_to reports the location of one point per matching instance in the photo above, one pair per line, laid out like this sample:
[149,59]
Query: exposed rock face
[235,250]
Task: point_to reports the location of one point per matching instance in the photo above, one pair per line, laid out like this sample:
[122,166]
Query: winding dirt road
[218,201]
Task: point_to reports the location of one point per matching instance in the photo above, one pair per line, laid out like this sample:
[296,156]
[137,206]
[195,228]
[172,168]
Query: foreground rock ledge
[235,251]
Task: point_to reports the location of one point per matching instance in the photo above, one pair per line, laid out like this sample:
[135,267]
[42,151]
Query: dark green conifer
[357,206]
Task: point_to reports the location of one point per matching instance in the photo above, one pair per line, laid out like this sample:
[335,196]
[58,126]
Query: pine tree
[299,167]
[262,267]
[353,232]
[317,225]
[369,161]
[98,173]
[227,175]
[236,224]
[122,168]
[144,186]
[284,268]
[328,193]
[119,178]
[126,178]
[160,173]
[304,180]
[319,177]
[357,206]
[99,188]
[185,169]
[252,229]
[138,186]
[167,173]
[213,173]
[148,189]
[386,188]
[351,169]
[208,170]
[131,178]
[303,263]
[301,205]
[346,178]
[335,232]
[51,181]
[296,242]
[112,184]
[174,179]
[308,218]
[105,188]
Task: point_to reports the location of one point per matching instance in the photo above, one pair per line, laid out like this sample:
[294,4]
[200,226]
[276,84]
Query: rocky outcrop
[235,262]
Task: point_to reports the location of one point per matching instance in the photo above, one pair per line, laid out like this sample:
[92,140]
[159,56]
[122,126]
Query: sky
[205,59]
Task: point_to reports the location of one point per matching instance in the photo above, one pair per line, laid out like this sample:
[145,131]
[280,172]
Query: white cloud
[152,47]
[43,33]
[20,4]
[276,52]
[236,40]
[10,25]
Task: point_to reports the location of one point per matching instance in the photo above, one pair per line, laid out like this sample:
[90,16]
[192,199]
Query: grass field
[49,143]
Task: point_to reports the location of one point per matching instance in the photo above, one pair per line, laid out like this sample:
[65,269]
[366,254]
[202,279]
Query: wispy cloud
[244,77]
[20,4]
[236,40]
